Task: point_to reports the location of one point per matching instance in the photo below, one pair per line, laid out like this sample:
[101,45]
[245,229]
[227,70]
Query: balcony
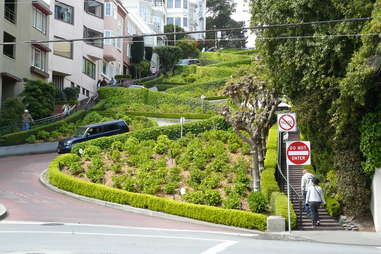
[10,10]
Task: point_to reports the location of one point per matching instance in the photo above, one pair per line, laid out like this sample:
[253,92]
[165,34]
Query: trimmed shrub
[18,138]
[172,132]
[199,212]
[232,202]
[279,207]
[43,135]
[31,139]
[257,202]
[333,207]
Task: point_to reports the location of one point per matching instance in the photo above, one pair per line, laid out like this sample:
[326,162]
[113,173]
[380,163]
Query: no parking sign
[287,122]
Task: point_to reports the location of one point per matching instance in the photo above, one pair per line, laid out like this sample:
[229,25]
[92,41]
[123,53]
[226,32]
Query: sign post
[287,122]
[297,153]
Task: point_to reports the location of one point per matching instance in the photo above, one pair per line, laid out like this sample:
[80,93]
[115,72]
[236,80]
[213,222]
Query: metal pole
[288,199]
[174,35]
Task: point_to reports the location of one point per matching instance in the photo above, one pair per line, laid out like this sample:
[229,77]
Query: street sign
[298,152]
[287,122]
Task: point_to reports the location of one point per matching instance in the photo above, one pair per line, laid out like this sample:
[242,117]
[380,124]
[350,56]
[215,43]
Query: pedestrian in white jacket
[305,183]
[314,198]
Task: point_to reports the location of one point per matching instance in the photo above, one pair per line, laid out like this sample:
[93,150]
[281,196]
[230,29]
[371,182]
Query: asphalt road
[26,199]
[83,239]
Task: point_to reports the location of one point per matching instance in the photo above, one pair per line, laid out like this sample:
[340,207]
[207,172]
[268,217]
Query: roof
[101,124]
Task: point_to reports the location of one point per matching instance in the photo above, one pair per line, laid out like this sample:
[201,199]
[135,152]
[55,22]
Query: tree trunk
[261,158]
[255,169]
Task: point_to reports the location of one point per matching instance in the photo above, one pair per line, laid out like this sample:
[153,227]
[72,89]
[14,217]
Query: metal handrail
[283,180]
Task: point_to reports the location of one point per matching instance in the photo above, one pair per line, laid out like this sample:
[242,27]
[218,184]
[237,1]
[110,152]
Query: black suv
[92,131]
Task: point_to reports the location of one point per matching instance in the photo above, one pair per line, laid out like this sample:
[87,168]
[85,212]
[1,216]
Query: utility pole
[174,35]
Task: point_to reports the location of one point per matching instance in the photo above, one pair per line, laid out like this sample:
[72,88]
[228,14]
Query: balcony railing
[10,15]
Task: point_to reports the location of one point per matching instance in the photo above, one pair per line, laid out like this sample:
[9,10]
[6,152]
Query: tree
[169,56]
[11,112]
[254,104]
[171,29]
[220,12]
[328,79]
[39,98]
[189,49]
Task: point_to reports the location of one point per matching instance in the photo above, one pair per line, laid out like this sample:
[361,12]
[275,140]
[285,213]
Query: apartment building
[188,14]
[23,21]
[149,16]
[115,57]
[242,13]
[78,63]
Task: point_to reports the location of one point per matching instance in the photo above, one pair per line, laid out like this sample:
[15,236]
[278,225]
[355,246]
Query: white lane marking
[109,234]
[127,227]
[220,247]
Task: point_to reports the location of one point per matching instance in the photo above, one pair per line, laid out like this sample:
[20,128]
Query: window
[178,21]
[9,50]
[108,33]
[185,22]
[177,3]
[64,49]
[87,93]
[39,20]
[169,21]
[170,4]
[89,68]
[10,7]
[39,58]
[64,13]
[94,8]
[90,33]
[109,9]
[72,84]
[185,4]
[83,91]
[104,68]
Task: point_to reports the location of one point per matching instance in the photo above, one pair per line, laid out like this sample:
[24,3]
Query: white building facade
[188,14]
[78,63]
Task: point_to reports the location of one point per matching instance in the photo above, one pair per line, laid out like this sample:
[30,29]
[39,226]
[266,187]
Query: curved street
[26,199]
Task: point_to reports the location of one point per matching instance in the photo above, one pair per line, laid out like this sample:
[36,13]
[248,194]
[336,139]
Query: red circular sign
[298,153]
[287,122]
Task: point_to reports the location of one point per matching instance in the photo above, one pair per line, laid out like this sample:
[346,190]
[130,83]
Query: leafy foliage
[329,79]
[39,98]
[169,56]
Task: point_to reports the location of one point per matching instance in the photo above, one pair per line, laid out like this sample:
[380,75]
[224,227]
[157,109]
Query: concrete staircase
[327,222]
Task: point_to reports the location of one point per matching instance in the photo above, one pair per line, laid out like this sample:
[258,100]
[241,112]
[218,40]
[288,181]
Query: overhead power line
[326,22]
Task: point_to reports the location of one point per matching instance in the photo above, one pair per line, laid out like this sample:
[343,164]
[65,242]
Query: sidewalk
[28,149]
[340,237]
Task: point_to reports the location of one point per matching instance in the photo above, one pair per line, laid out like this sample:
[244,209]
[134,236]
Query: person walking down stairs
[314,198]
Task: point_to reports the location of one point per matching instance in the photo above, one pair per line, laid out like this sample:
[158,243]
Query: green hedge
[115,96]
[192,87]
[269,185]
[18,138]
[232,63]
[173,132]
[279,207]
[268,181]
[333,206]
[170,115]
[200,212]
[212,98]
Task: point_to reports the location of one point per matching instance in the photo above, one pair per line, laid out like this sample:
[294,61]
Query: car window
[111,127]
[80,132]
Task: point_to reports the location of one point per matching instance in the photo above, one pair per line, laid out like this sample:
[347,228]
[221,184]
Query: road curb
[28,149]
[45,182]
[3,211]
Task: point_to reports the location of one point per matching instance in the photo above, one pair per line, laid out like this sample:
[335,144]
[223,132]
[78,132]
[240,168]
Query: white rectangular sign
[287,122]
[298,152]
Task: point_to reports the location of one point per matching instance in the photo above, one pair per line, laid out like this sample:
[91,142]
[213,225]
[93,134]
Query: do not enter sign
[298,153]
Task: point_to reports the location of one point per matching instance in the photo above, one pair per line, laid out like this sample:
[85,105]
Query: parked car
[92,131]
[188,62]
